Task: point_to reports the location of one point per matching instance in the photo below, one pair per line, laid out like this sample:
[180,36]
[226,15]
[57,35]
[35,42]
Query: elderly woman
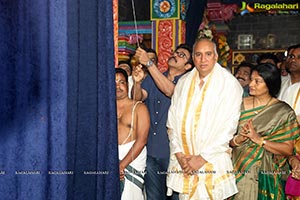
[266,133]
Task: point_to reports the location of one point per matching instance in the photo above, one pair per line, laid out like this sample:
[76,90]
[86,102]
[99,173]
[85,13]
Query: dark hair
[188,48]
[266,56]
[271,75]
[244,64]
[149,50]
[125,62]
[296,46]
[123,72]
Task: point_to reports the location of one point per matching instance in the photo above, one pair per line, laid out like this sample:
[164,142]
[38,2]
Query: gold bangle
[291,159]
[234,142]
[262,142]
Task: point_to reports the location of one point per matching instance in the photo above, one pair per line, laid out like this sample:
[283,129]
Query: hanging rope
[137,40]
[135,23]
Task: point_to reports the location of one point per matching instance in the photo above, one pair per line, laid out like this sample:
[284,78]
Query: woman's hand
[295,164]
[249,131]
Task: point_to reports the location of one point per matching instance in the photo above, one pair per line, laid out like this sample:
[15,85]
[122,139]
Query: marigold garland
[220,39]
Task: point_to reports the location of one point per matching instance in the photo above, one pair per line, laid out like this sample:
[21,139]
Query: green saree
[259,173]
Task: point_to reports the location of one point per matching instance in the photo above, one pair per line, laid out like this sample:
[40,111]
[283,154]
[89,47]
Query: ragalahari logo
[245,8]
[268,7]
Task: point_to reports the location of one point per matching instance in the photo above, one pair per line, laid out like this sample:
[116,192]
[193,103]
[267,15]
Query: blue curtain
[58,135]
[194,19]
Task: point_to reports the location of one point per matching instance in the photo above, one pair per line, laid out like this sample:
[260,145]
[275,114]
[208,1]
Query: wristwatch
[149,63]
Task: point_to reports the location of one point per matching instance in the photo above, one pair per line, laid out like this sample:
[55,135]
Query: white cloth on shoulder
[292,97]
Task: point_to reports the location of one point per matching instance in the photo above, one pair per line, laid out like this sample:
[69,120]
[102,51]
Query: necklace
[266,105]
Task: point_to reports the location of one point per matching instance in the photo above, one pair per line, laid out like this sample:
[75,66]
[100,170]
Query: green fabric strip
[135,181]
[131,178]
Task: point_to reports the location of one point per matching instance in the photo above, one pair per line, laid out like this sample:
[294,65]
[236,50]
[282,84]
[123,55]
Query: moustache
[240,78]
[172,57]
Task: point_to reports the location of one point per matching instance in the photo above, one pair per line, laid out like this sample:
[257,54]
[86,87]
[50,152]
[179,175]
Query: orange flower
[164,6]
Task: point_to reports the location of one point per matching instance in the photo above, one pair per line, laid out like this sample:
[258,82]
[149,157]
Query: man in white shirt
[202,119]
[291,93]
[293,68]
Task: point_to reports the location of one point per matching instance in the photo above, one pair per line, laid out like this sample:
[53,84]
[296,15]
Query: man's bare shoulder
[140,106]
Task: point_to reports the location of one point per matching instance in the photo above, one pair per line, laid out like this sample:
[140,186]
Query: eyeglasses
[180,54]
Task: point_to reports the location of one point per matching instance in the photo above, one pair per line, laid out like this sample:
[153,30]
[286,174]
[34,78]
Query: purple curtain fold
[57,100]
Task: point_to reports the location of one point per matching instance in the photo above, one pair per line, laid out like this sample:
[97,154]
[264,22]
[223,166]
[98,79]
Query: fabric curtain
[58,135]
[193,20]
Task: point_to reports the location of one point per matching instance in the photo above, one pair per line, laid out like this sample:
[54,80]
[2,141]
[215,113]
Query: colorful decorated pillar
[168,27]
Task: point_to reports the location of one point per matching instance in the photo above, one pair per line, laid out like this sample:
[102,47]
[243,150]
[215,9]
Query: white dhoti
[133,174]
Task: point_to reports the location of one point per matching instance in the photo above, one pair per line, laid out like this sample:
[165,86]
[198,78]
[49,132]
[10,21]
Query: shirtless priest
[133,127]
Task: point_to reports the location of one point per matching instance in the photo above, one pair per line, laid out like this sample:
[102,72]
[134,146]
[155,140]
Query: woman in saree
[265,138]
